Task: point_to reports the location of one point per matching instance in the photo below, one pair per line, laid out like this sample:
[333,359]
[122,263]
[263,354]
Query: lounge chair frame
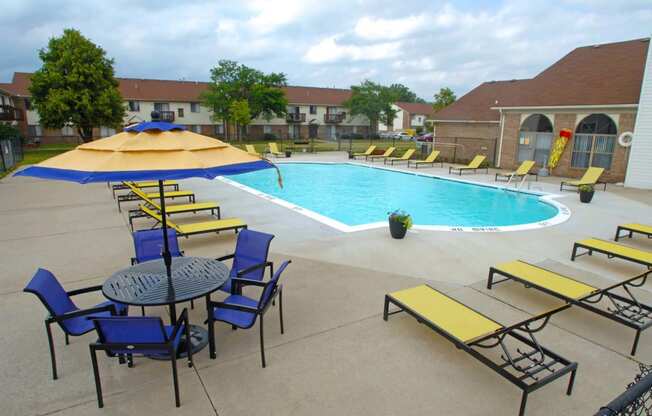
[236,228]
[512,174]
[364,154]
[630,231]
[536,360]
[382,157]
[122,186]
[399,159]
[627,311]
[590,250]
[568,184]
[466,168]
[138,213]
[416,163]
[131,196]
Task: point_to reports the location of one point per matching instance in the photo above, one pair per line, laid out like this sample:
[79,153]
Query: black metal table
[146,284]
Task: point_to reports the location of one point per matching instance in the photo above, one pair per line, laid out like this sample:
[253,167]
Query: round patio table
[146,284]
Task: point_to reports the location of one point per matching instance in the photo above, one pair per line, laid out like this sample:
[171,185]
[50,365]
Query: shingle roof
[184,91]
[476,104]
[416,108]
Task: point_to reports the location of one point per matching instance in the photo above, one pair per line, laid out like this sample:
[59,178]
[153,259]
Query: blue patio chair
[136,335]
[62,310]
[241,311]
[148,245]
[249,258]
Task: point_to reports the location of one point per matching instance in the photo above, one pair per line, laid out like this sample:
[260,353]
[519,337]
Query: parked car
[405,137]
[425,137]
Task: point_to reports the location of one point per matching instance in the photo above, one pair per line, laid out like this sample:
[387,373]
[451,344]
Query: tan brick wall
[470,139]
[509,158]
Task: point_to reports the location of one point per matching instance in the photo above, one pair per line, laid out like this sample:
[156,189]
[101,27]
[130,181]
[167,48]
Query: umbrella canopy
[148,151]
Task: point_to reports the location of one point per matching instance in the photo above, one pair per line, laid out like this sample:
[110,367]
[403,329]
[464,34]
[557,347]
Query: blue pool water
[356,195]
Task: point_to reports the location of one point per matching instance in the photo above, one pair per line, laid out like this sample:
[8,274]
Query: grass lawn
[32,155]
[326,145]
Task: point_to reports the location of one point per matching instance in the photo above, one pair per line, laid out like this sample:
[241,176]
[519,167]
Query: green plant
[586,188]
[402,217]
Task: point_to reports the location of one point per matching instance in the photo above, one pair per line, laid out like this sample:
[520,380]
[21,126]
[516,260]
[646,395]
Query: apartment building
[409,116]
[312,112]
[8,112]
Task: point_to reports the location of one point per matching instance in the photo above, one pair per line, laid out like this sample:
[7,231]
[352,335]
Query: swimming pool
[353,197]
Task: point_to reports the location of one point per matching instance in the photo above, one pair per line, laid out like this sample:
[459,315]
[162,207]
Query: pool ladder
[519,184]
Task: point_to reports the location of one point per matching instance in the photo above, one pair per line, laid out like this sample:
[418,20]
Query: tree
[240,114]
[76,86]
[404,94]
[388,96]
[232,82]
[444,98]
[373,101]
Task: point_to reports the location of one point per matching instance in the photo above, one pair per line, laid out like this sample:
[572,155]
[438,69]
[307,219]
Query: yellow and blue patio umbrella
[149,151]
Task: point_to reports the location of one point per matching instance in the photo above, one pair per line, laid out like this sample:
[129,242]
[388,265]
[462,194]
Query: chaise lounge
[430,160]
[203,227]
[384,156]
[405,158]
[213,207]
[612,250]
[136,194]
[621,306]
[252,150]
[143,185]
[522,171]
[364,154]
[474,165]
[475,333]
[591,177]
[633,228]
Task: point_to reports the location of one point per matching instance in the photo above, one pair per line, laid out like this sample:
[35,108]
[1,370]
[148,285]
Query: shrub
[269,136]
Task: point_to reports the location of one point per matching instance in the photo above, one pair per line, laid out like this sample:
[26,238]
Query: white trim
[500,143]
[464,121]
[563,212]
[566,107]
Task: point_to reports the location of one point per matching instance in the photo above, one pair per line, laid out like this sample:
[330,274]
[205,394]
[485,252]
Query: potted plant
[586,193]
[288,152]
[399,223]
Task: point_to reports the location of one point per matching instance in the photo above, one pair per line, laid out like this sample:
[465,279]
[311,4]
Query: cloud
[328,50]
[378,28]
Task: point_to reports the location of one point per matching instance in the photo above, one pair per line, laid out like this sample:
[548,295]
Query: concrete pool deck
[337,355]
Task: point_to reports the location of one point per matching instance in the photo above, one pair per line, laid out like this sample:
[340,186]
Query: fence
[636,400]
[11,152]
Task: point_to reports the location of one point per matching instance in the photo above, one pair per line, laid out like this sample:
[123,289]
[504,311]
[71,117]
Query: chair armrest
[84,290]
[228,256]
[181,321]
[247,282]
[233,306]
[83,312]
[254,267]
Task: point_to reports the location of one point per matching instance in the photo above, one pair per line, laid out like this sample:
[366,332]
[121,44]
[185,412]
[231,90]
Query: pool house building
[594,91]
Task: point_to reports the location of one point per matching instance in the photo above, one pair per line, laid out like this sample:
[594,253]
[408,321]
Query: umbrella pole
[167,257]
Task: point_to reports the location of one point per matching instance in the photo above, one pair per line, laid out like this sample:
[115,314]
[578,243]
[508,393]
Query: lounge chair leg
[67,339]
[490,279]
[635,345]
[96,374]
[386,308]
[262,342]
[48,329]
[142,310]
[521,412]
[280,307]
[192,304]
[211,330]
[574,254]
[571,382]
[175,377]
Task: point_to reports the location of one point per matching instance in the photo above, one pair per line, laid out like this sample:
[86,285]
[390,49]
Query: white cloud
[376,28]
[329,50]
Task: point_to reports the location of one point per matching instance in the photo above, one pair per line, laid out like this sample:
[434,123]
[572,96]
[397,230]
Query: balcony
[295,117]
[9,113]
[166,116]
[334,117]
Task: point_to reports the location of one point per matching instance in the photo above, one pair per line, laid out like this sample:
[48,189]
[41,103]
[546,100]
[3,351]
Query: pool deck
[337,356]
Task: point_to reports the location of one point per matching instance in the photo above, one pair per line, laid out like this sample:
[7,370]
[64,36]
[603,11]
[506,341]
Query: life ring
[625,139]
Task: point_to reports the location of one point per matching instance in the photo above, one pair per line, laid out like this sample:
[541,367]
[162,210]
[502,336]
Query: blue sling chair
[136,335]
[148,245]
[62,310]
[249,258]
[241,311]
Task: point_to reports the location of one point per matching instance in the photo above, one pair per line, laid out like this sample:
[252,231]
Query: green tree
[232,82]
[76,86]
[373,101]
[388,96]
[404,94]
[240,114]
[444,98]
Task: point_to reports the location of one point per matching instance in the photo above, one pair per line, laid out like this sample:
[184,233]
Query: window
[219,129]
[134,105]
[67,131]
[28,105]
[180,112]
[535,139]
[594,142]
[194,107]
[34,130]
[196,128]
[267,129]
[106,131]
[313,109]
[162,106]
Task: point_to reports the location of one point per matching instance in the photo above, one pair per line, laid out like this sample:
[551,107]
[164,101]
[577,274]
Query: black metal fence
[636,400]
[11,152]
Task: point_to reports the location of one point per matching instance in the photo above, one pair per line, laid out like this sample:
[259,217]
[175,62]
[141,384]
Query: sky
[423,44]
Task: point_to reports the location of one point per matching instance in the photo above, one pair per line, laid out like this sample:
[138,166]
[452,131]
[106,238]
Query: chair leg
[280,307]
[48,330]
[262,342]
[191,363]
[211,332]
[142,310]
[130,360]
[192,304]
[175,377]
[67,339]
[96,374]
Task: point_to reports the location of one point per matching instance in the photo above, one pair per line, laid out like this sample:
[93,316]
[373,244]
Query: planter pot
[586,196]
[397,229]
[288,153]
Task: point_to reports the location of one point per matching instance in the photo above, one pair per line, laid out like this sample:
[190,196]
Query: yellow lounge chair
[273,150]
[522,170]
[476,334]
[430,160]
[211,206]
[148,184]
[405,158]
[474,165]
[591,177]
[366,153]
[613,250]
[252,150]
[385,155]
[629,311]
[134,195]
[633,228]
[203,227]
